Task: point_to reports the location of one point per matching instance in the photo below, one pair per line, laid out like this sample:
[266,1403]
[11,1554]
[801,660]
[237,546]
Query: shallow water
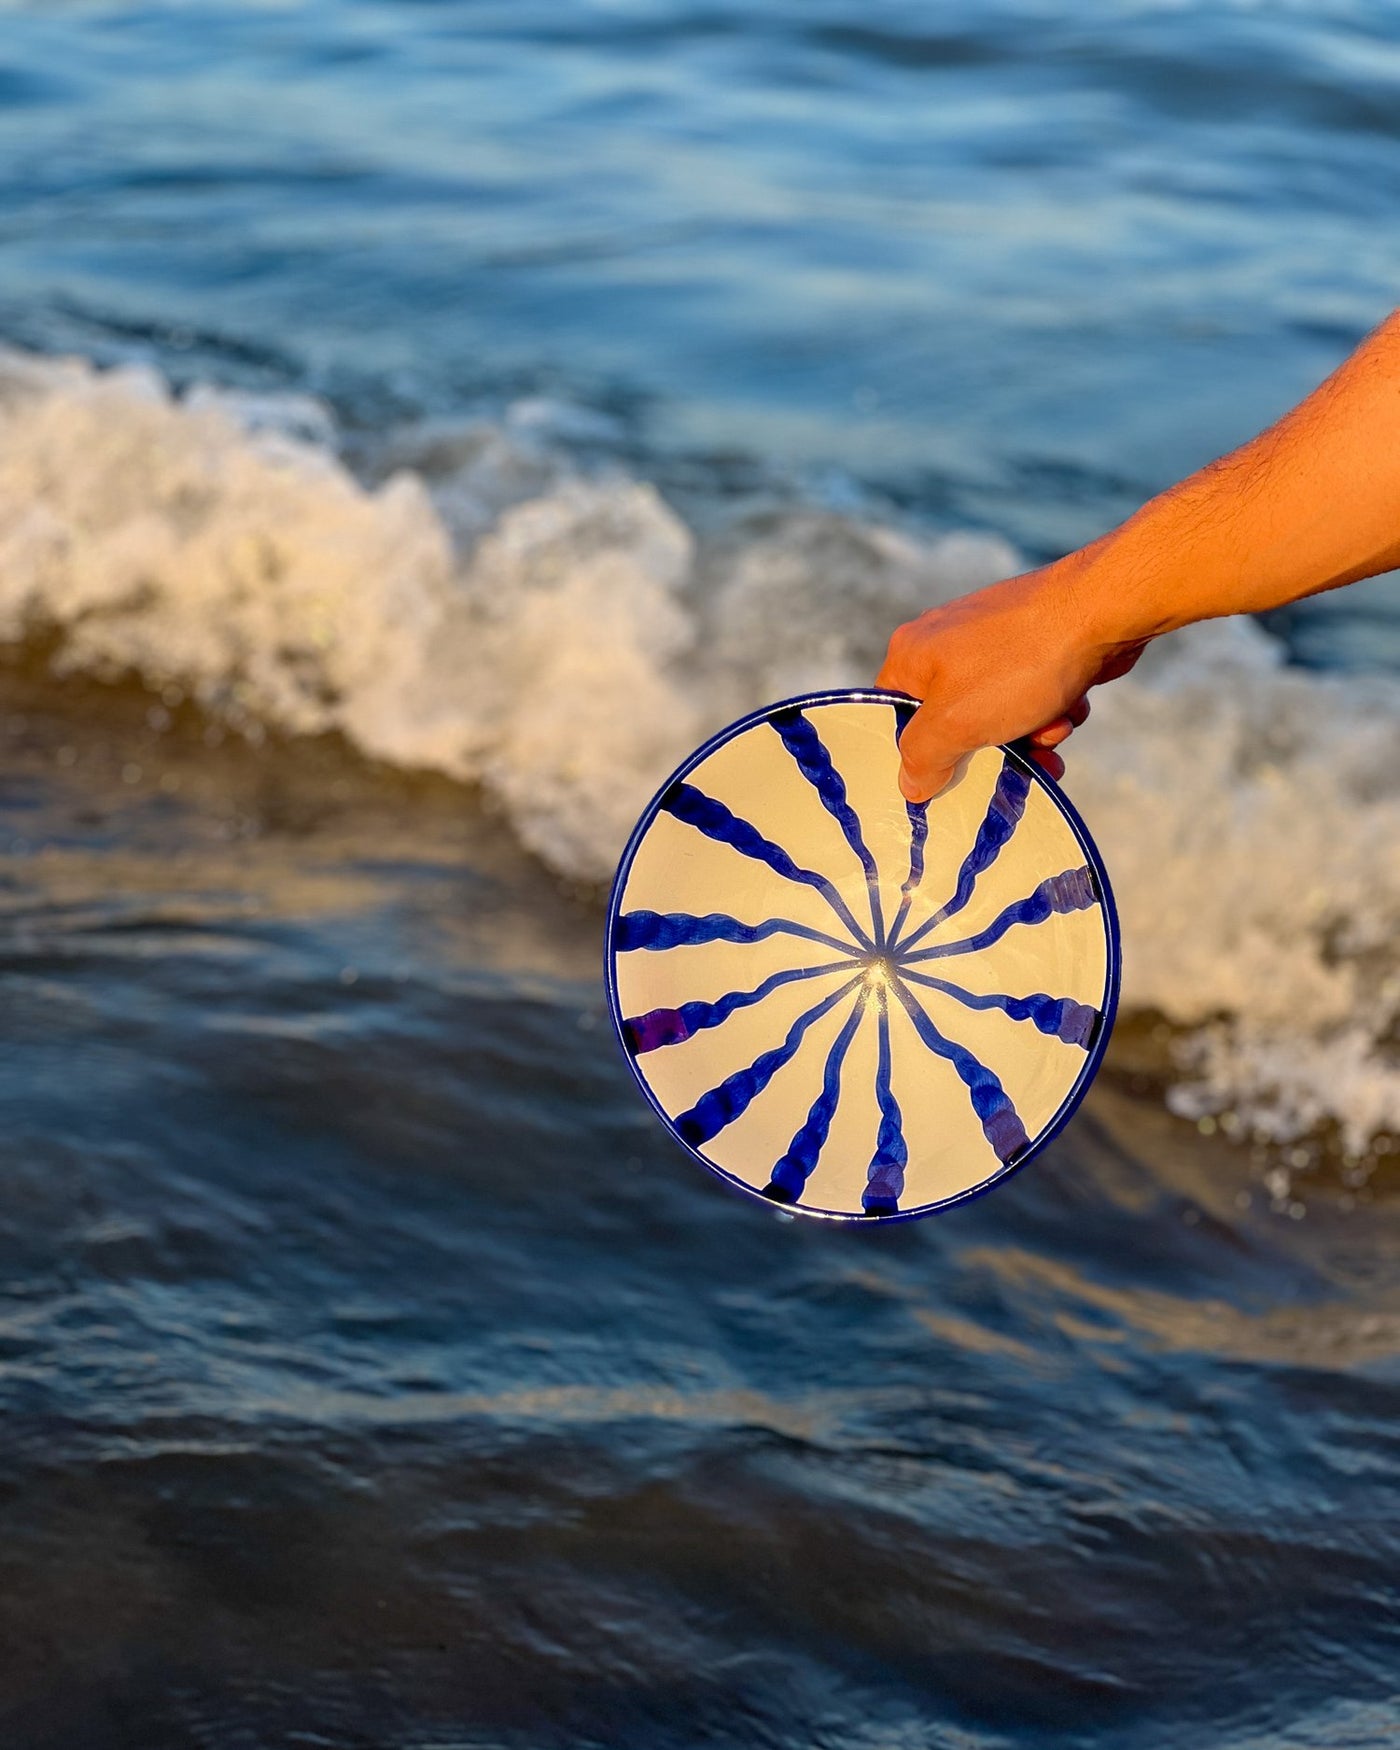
[373,1371]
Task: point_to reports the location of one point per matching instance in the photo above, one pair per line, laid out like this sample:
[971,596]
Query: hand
[1310,504]
[1011,661]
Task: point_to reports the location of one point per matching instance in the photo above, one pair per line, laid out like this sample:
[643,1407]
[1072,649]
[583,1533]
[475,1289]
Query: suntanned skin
[1310,504]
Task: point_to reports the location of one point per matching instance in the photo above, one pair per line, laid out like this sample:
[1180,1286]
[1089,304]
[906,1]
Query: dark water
[373,1373]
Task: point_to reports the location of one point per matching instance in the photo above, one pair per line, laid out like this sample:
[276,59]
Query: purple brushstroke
[658,1027]
[1003,816]
[1058,1017]
[1071,891]
[885,1179]
[792,1172]
[1001,1124]
[814,761]
[721,824]
[676,929]
[722,1105]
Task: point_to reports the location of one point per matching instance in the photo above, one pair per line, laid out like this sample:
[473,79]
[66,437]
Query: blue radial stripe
[679,929]
[1059,1017]
[1071,891]
[814,761]
[722,1105]
[885,1179]
[658,1027]
[1001,1124]
[792,1172]
[717,822]
[918,839]
[1003,816]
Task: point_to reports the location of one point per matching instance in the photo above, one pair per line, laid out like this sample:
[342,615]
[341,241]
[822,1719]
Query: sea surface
[420,424]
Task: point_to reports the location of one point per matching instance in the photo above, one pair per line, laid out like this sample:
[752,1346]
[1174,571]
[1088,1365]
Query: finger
[1048,761]
[928,759]
[1052,734]
[895,677]
[924,785]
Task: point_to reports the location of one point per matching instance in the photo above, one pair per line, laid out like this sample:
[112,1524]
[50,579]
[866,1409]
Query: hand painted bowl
[846,1003]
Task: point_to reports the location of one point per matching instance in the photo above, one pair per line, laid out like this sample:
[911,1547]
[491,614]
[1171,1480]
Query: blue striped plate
[856,1006]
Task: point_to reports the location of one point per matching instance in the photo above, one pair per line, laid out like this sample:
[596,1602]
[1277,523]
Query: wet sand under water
[374,1372]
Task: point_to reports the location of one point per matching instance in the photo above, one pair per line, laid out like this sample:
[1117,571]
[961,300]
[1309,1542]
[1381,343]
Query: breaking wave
[479,603]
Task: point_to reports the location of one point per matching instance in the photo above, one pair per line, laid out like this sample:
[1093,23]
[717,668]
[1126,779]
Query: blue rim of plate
[1068,1107]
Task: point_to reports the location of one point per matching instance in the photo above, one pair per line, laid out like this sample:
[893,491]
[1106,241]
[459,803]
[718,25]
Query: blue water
[372,1371]
[1017,260]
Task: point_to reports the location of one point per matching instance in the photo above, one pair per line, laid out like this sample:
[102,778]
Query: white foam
[563,640]
[1250,814]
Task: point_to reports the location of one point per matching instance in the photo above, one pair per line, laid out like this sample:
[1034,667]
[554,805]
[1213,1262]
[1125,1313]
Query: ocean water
[420,423]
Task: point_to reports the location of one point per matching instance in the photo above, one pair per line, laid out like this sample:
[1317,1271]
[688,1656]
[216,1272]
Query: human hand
[1308,505]
[1011,661]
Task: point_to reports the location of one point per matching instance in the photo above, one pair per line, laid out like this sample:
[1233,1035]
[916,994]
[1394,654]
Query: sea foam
[481,605]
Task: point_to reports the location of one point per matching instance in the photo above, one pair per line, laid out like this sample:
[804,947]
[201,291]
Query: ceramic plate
[850,1004]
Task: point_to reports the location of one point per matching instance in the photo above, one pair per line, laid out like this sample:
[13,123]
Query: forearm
[1311,503]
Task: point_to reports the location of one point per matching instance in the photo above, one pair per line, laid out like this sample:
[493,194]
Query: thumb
[925,787]
[928,759]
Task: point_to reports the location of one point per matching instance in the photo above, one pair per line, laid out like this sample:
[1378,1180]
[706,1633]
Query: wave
[479,601]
